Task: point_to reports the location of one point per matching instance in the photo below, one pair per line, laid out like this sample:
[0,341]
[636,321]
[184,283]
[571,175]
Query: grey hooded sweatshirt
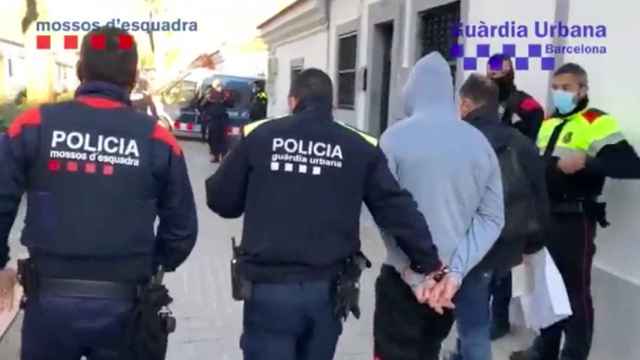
[449,167]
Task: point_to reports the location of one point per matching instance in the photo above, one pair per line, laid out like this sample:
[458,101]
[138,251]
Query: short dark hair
[496,61]
[480,89]
[312,83]
[114,63]
[573,69]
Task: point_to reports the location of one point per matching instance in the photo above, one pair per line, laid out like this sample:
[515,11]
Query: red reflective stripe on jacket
[529,104]
[592,115]
[30,117]
[99,102]
[163,135]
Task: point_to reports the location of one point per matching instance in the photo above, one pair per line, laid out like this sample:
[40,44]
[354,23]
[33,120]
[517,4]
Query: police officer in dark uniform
[97,174]
[521,111]
[259,102]
[582,146]
[300,182]
[517,108]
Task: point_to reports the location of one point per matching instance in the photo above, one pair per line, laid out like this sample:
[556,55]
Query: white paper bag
[547,302]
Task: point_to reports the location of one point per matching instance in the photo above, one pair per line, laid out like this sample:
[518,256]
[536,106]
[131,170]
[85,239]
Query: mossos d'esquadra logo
[586,39]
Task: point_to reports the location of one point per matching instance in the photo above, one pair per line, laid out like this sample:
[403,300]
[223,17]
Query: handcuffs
[414,279]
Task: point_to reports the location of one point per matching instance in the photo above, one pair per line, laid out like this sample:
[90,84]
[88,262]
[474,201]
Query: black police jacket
[300,182]
[96,174]
[507,253]
[522,112]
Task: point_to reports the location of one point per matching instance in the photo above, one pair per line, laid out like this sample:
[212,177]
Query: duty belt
[87,289]
[590,207]
[35,285]
[568,207]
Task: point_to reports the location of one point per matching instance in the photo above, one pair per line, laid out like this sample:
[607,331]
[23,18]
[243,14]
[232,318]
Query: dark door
[386,32]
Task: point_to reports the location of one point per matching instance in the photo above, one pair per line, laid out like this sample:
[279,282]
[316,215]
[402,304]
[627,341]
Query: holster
[150,324]
[597,211]
[346,289]
[241,287]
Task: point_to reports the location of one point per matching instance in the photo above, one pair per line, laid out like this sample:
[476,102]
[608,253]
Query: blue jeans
[68,328]
[290,322]
[473,317]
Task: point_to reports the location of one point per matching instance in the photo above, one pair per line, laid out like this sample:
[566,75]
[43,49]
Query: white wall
[343,11]
[314,51]
[17,81]
[614,80]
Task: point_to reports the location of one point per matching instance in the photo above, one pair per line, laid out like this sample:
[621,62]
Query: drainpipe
[408,23]
[327,9]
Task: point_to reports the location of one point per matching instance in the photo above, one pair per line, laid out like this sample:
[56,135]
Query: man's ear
[293,103]
[584,91]
[136,78]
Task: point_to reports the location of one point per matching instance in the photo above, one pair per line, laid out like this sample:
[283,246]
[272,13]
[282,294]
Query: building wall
[344,12]
[534,82]
[609,75]
[15,80]
[313,49]
[613,88]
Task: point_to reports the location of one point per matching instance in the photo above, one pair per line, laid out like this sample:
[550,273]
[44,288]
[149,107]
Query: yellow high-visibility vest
[586,132]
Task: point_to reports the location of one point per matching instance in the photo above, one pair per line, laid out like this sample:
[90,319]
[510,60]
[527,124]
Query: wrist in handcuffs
[414,279]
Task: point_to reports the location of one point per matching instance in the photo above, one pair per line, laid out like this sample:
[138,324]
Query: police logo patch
[567,138]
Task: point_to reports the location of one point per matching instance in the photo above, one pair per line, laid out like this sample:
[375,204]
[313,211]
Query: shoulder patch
[28,118]
[247,129]
[369,138]
[592,115]
[163,135]
[529,104]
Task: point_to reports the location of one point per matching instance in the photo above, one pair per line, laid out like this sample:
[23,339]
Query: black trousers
[216,136]
[403,328]
[501,293]
[204,128]
[572,248]
[67,328]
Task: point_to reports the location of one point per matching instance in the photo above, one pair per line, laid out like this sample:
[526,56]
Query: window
[347,51]
[10,66]
[295,71]
[437,31]
[297,66]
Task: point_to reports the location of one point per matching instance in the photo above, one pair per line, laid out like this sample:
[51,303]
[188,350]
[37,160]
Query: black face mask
[505,86]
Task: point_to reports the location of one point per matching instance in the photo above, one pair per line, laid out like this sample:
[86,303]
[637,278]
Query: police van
[189,94]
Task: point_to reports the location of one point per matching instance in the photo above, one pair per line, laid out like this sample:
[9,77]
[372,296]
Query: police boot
[499,329]
[528,354]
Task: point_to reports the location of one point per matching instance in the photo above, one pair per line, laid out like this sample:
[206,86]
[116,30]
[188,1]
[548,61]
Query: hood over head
[429,90]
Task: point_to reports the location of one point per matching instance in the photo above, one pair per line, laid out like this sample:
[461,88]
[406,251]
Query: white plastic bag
[546,302]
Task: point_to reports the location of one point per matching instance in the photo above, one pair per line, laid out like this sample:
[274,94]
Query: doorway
[380,77]
[386,33]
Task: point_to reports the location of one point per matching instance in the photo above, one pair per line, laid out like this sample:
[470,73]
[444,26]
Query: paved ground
[208,321]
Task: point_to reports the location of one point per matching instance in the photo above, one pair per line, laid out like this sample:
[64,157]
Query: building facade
[369,46]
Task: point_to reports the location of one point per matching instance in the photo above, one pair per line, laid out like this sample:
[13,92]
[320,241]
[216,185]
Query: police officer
[96,174]
[259,101]
[521,111]
[517,108]
[582,146]
[300,182]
